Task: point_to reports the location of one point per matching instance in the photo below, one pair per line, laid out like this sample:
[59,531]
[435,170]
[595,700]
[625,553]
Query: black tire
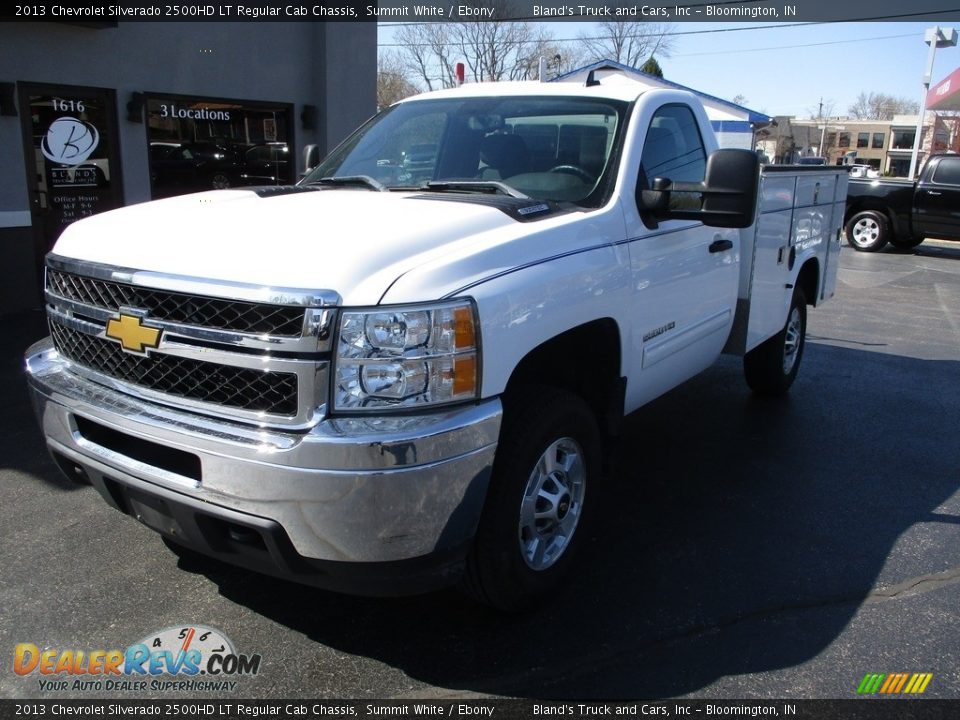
[905,243]
[508,568]
[220,181]
[867,231]
[771,367]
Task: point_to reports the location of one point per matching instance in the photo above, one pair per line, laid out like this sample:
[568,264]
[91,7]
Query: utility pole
[935,37]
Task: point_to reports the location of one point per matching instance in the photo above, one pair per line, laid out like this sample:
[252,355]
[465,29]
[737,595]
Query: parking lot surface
[748,548]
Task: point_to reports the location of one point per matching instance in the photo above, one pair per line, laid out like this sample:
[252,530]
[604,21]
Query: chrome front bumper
[350,490]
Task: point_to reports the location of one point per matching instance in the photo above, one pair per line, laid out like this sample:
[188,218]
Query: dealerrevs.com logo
[187,658]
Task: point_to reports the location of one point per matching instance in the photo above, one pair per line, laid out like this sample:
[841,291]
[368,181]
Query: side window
[674,149]
[947,173]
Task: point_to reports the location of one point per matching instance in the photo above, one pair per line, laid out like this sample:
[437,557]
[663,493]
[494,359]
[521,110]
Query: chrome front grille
[242,317]
[234,387]
[237,351]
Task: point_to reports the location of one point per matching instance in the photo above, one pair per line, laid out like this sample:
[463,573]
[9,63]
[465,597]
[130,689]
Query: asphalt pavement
[748,548]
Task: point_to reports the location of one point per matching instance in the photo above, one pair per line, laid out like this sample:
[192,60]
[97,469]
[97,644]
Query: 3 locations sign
[212,144]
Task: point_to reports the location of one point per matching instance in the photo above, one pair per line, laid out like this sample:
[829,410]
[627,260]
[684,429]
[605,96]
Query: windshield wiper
[480,186]
[362,180]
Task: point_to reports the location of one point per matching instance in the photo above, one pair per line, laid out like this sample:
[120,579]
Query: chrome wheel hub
[552,503]
[791,343]
[865,232]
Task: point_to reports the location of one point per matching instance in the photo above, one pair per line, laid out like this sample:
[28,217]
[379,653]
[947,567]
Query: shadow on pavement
[738,535]
[23,446]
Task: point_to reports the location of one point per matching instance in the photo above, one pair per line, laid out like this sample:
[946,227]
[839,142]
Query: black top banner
[107,12]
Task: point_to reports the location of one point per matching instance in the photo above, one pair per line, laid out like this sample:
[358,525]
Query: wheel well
[808,280]
[584,361]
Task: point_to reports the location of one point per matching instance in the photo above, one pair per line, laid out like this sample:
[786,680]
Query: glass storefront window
[210,144]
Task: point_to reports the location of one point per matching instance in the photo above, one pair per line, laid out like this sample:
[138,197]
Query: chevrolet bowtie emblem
[133,335]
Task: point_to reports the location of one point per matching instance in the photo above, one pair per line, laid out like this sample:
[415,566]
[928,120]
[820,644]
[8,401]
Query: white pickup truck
[405,371]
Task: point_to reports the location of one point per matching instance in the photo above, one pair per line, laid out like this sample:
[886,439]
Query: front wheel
[867,231]
[533,519]
[772,366]
[220,181]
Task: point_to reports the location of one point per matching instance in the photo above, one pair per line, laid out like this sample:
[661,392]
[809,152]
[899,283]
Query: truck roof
[611,88]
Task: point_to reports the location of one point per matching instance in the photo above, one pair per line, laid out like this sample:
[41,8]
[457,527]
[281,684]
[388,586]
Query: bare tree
[503,50]
[392,81]
[880,106]
[629,43]
[492,50]
[739,99]
[429,52]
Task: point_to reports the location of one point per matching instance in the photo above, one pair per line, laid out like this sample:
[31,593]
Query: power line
[601,37]
[789,47]
[607,37]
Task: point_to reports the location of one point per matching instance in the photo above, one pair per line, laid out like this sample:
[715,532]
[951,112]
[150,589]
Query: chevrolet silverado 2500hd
[902,212]
[402,372]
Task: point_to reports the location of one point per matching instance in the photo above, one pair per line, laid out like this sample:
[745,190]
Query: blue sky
[784,70]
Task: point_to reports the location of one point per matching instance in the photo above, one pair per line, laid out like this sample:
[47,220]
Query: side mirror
[311,157]
[728,193]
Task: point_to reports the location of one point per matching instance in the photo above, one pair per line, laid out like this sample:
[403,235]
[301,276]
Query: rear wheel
[533,519]
[772,366]
[867,230]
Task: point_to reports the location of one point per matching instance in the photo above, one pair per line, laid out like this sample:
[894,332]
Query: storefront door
[72,156]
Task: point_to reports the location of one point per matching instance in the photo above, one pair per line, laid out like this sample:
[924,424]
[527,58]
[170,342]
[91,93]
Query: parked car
[267,164]
[863,171]
[902,212]
[177,168]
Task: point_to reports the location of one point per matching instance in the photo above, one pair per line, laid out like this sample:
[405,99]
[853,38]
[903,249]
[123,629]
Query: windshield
[548,148]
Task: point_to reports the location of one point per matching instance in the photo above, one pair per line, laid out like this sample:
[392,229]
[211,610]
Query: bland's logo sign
[69,141]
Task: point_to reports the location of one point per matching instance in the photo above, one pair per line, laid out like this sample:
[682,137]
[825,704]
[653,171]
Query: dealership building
[94,116]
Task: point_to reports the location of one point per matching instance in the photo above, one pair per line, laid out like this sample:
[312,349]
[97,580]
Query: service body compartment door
[800,214]
[770,266]
[834,242]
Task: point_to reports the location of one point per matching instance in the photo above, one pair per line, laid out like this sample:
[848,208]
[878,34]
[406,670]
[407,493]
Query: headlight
[406,357]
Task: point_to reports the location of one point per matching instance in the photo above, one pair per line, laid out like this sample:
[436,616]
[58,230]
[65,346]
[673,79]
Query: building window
[863,140]
[878,139]
[205,143]
[844,140]
[899,167]
[903,139]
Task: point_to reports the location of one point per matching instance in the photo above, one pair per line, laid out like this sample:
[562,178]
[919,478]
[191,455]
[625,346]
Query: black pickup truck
[903,213]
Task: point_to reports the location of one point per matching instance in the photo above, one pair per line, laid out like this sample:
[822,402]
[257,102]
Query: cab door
[938,201]
[685,274]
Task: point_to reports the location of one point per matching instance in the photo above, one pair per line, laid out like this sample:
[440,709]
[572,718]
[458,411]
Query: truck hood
[351,241]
